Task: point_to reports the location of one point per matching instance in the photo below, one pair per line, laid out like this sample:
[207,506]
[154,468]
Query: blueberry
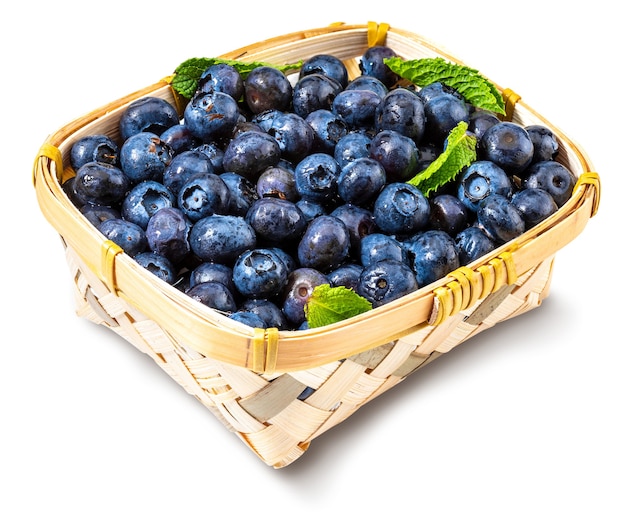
[385,281]
[316,177]
[378,246]
[293,134]
[351,146]
[433,254]
[359,221]
[325,244]
[311,209]
[211,116]
[534,205]
[367,82]
[299,287]
[402,110]
[482,179]
[434,89]
[372,63]
[250,153]
[100,184]
[397,154]
[328,129]
[221,77]
[347,275]
[276,220]
[277,181]
[328,65]
[168,234]
[214,153]
[179,138]
[545,142]
[144,199]
[214,295]
[202,195]
[249,319]
[98,147]
[427,153]
[361,180]
[183,166]
[267,88]
[129,236]
[448,213]
[314,92]
[443,113]
[357,108]
[553,177]
[508,145]
[158,265]
[96,214]
[145,156]
[147,114]
[479,121]
[242,193]
[221,238]
[500,218]
[473,243]
[269,312]
[259,273]
[212,272]
[401,208]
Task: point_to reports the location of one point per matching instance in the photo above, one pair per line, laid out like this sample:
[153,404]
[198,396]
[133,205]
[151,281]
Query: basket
[250,378]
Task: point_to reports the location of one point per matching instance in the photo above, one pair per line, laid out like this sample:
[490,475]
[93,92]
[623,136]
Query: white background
[522,425]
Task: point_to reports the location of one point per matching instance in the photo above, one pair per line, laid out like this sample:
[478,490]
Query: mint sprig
[460,152]
[187,74]
[472,85]
[330,304]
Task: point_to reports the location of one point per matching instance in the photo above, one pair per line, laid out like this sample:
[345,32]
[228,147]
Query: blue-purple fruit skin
[129,236]
[433,255]
[325,244]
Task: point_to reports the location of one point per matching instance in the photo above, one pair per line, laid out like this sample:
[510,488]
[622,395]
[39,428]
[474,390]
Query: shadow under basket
[253,379]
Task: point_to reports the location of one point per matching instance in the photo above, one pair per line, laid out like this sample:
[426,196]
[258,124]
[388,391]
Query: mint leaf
[474,87]
[330,304]
[187,74]
[459,153]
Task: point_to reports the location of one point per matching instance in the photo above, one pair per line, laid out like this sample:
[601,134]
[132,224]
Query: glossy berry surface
[267,88]
[250,153]
[397,153]
[214,295]
[168,234]
[100,184]
[534,205]
[221,238]
[202,195]
[223,78]
[127,235]
[147,114]
[385,281]
[361,180]
[473,243]
[99,147]
[378,246]
[259,273]
[314,92]
[300,285]
[325,244]
[276,220]
[482,179]
[211,115]
[401,208]
[500,218]
[402,110]
[433,254]
[144,200]
[372,64]
[145,156]
[508,145]
[158,265]
[552,177]
[328,129]
[328,65]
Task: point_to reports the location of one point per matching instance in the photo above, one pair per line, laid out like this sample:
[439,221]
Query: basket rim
[272,350]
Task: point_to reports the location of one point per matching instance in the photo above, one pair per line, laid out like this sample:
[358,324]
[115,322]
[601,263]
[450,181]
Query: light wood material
[251,379]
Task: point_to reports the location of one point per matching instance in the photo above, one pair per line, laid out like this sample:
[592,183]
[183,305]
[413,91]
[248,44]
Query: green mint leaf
[330,304]
[187,74]
[476,89]
[459,153]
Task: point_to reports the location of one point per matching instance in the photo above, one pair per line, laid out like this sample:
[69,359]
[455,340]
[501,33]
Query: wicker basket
[251,378]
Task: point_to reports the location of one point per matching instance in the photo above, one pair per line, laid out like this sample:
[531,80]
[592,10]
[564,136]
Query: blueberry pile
[271,185]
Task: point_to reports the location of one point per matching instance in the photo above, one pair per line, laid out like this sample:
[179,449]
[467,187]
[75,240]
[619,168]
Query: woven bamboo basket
[251,378]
